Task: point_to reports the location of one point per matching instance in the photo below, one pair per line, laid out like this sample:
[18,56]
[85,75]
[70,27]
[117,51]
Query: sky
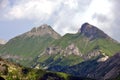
[65,16]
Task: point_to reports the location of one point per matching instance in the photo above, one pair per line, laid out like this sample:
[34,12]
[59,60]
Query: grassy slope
[107,46]
[85,46]
[30,47]
[60,60]
[26,47]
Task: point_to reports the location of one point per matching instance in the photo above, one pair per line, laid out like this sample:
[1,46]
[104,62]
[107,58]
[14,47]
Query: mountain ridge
[41,49]
[72,49]
[93,32]
[27,44]
[43,30]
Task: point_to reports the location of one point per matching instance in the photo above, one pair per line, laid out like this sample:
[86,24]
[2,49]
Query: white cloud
[32,9]
[64,15]
[73,4]
[3,3]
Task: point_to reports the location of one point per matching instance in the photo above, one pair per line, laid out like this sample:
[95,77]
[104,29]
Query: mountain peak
[87,25]
[91,31]
[45,27]
[42,28]
[42,31]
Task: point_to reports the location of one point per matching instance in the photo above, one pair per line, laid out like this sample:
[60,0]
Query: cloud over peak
[64,15]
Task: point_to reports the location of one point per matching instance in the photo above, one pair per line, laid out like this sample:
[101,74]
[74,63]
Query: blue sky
[19,16]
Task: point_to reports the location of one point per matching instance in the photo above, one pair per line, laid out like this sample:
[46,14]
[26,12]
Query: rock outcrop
[69,50]
[92,32]
[92,54]
[43,30]
[72,49]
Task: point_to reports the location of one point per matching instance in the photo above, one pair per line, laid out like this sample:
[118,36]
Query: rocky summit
[92,32]
[42,31]
[29,45]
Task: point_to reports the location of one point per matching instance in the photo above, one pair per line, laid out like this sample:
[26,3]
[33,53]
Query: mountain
[43,48]
[23,48]
[107,70]
[43,30]
[12,71]
[71,49]
[92,32]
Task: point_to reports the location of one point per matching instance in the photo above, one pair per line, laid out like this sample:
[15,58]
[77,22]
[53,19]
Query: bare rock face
[91,31]
[94,53]
[102,59]
[72,49]
[43,30]
[69,50]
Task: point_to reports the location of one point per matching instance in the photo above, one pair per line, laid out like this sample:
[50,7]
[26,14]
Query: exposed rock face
[43,30]
[91,31]
[89,55]
[103,59]
[72,49]
[69,50]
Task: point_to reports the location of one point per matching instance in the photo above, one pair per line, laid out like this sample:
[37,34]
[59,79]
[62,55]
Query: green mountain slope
[89,43]
[86,45]
[43,48]
[27,46]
